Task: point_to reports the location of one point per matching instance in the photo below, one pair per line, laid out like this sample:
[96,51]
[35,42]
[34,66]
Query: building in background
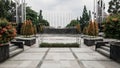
[100,12]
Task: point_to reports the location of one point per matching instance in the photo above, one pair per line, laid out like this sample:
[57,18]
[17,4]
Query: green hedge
[59,45]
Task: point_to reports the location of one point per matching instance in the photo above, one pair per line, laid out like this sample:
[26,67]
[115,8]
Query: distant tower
[40,16]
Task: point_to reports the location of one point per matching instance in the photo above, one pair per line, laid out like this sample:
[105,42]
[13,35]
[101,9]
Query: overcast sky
[74,6]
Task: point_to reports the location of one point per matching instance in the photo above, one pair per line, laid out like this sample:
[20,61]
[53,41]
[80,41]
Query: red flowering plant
[7,32]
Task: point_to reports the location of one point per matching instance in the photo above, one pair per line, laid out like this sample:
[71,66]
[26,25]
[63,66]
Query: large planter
[115,51]
[27,41]
[91,41]
[4,52]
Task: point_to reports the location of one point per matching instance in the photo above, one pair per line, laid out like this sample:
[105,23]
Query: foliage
[35,29]
[59,45]
[7,32]
[7,9]
[73,23]
[31,15]
[78,28]
[92,28]
[39,28]
[44,23]
[112,26]
[27,28]
[85,30]
[84,20]
[114,6]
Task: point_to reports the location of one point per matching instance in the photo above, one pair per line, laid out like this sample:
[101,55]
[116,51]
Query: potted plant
[92,31]
[27,31]
[7,33]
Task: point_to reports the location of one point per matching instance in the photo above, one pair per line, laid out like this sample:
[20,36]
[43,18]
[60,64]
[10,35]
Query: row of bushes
[59,45]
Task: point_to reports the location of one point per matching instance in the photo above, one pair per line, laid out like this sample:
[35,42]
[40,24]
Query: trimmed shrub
[85,30]
[93,28]
[27,28]
[59,45]
[78,28]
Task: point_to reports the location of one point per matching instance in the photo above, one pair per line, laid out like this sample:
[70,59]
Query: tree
[114,6]
[73,23]
[44,22]
[112,26]
[84,20]
[31,15]
[7,9]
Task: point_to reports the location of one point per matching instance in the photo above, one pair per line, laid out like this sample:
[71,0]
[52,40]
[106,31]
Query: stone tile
[59,56]
[19,64]
[37,50]
[59,50]
[100,64]
[9,64]
[28,56]
[82,50]
[60,64]
[91,56]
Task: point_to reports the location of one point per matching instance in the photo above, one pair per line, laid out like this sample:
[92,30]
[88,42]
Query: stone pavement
[35,57]
[59,58]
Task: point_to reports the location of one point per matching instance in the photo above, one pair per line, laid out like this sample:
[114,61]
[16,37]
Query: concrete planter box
[4,52]
[27,41]
[115,51]
[91,41]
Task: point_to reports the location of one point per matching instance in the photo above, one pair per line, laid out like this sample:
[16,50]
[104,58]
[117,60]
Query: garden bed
[59,45]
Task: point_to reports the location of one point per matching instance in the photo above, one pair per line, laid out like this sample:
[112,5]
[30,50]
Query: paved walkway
[84,57]
[59,58]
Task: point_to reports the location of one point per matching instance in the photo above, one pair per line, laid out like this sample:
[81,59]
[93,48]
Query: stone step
[104,52]
[105,48]
[107,45]
[15,52]
[12,48]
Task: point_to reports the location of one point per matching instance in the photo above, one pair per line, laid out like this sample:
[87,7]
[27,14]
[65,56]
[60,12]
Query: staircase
[105,50]
[14,50]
